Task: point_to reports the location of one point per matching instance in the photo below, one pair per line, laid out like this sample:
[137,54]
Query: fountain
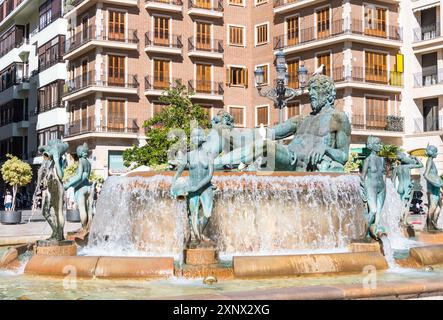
[270,210]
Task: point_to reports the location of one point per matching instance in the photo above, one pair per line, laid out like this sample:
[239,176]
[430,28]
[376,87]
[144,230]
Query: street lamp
[281,94]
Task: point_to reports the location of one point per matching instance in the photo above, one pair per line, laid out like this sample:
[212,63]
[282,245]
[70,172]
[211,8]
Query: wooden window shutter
[228,76]
[245,77]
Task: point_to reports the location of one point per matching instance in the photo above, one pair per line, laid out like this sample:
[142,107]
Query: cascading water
[390,218]
[252,214]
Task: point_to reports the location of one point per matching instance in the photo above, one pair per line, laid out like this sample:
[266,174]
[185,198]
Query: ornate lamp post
[281,94]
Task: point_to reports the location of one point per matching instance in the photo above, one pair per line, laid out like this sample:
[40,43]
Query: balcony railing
[207,45]
[428,77]
[377,122]
[89,79]
[115,125]
[90,34]
[428,124]
[213,5]
[427,33]
[159,82]
[4,50]
[206,87]
[71,4]
[173,2]
[336,28]
[367,75]
[48,107]
[170,41]
[48,64]
[17,75]
[279,3]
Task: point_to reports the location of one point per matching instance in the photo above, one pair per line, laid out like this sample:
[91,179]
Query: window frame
[243,125]
[267,106]
[243,35]
[256,43]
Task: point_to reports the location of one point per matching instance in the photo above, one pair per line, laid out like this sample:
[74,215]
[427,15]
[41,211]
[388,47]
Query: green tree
[16,173]
[179,112]
[389,152]
[353,163]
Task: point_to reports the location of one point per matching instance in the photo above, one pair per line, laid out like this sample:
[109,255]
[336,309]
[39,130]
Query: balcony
[206,8]
[87,83]
[164,5]
[428,83]
[427,39]
[157,85]
[78,6]
[205,48]
[338,31]
[48,107]
[381,124]
[206,90]
[368,78]
[156,44]
[118,127]
[89,38]
[428,124]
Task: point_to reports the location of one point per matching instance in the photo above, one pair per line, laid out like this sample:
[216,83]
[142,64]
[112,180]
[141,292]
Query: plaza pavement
[29,230]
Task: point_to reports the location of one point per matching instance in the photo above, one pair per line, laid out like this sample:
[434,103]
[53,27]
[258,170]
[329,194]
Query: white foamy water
[252,215]
[390,219]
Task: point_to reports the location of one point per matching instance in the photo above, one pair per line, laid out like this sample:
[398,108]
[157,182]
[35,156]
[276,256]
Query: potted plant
[17,174]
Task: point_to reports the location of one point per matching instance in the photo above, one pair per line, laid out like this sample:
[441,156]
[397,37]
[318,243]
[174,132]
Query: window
[161,31]
[237,76]
[261,34]
[11,111]
[49,96]
[375,21]
[116,70]
[84,116]
[49,11]
[259,2]
[157,107]
[293,109]
[293,74]
[262,115]
[161,74]
[292,30]
[236,35]
[44,136]
[51,53]
[323,23]
[116,25]
[116,115]
[205,4]
[203,78]
[208,110]
[12,75]
[10,39]
[203,36]
[238,113]
[376,68]
[265,69]
[236,2]
[325,59]
[376,111]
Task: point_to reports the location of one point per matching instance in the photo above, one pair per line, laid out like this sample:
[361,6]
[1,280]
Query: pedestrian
[8,201]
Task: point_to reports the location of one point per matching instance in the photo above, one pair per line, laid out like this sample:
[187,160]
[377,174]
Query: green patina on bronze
[50,186]
[374,187]
[321,139]
[197,188]
[434,183]
[83,189]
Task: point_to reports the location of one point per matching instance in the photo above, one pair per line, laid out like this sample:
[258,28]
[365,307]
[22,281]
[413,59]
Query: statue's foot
[377,231]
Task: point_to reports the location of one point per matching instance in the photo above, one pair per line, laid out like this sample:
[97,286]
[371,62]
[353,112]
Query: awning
[429,6]
[421,152]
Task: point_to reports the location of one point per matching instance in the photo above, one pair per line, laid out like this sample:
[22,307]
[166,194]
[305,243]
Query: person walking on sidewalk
[8,201]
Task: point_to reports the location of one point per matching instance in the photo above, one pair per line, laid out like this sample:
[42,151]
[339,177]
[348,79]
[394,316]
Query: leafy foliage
[178,113]
[353,163]
[71,170]
[389,152]
[16,173]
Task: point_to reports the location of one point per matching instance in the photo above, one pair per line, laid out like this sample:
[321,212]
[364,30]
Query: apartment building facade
[422,102]
[32,72]
[123,53]
[93,70]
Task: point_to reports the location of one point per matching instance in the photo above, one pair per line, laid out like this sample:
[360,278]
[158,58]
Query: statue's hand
[317,154]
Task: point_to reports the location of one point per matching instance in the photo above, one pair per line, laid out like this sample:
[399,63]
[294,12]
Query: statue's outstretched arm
[179,172]
[283,130]
[75,180]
